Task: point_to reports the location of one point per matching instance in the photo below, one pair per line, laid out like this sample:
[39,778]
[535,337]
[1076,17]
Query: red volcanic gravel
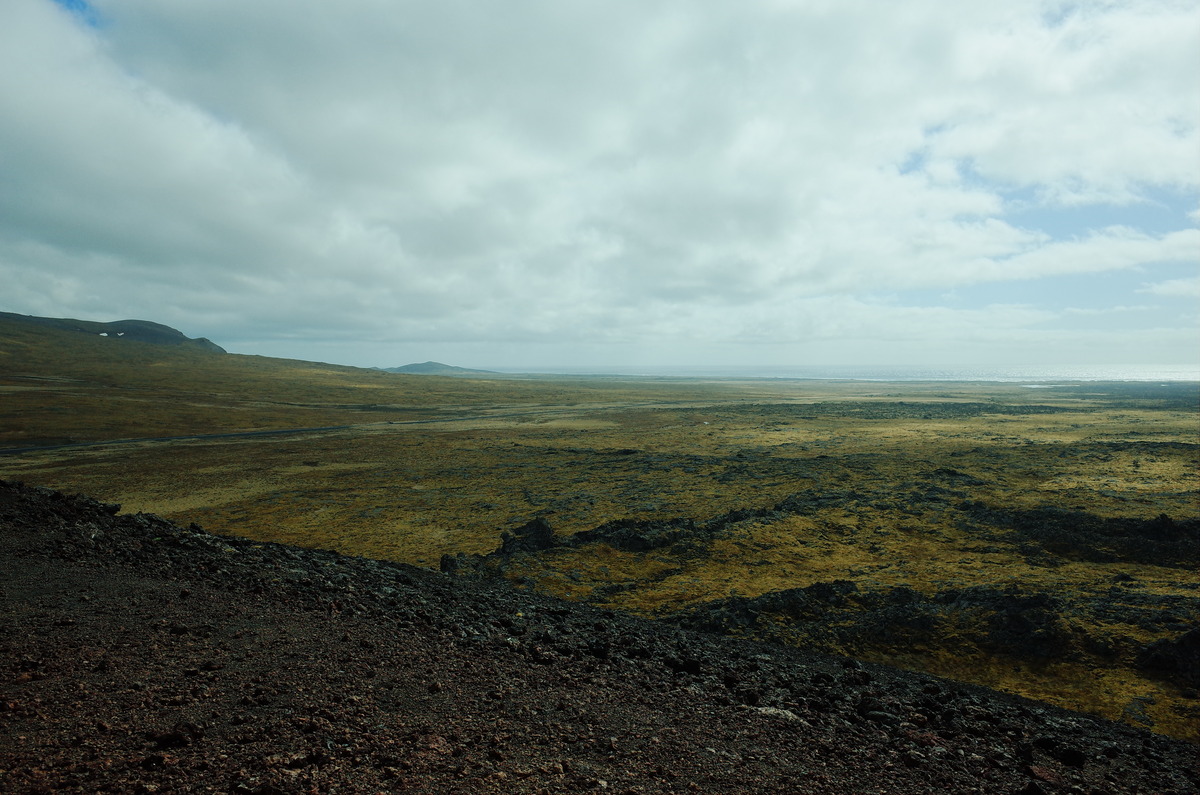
[141,657]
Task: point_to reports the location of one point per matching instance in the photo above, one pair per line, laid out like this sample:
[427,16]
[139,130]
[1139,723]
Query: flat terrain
[1039,540]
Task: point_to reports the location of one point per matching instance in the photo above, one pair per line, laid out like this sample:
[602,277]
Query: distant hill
[137,330]
[435,368]
[61,386]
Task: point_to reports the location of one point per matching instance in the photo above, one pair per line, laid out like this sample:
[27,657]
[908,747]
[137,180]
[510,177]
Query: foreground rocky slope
[143,657]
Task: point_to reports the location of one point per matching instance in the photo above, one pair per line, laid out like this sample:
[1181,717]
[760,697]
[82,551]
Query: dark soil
[143,657]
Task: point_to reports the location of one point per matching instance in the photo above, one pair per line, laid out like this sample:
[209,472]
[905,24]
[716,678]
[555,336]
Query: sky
[539,183]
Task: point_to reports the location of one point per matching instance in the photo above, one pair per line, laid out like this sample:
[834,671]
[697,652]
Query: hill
[123,330]
[62,386]
[435,368]
[145,657]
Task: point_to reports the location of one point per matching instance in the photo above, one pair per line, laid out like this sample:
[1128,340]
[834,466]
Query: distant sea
[1033,374]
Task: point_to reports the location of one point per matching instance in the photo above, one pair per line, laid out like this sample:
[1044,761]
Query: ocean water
[1032,374]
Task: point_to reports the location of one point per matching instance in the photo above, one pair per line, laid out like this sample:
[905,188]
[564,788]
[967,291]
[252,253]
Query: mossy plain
[895,476]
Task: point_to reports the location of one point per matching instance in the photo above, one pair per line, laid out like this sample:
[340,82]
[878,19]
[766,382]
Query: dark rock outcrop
[534,536]
[637,535]
[1077,535]
[1016,623]
[1176,658]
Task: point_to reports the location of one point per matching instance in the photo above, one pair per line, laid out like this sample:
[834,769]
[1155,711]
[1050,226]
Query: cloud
[1064,107]
[1174,288]
[617,173]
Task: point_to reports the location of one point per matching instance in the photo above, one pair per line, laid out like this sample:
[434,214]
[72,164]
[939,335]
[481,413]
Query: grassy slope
[60,386]
[585,451]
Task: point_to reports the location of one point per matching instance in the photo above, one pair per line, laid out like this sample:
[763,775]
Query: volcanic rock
[307,671]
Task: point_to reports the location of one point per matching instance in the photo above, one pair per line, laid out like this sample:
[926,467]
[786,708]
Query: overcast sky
[541,182]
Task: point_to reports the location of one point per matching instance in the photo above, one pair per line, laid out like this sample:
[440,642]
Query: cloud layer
[695,181]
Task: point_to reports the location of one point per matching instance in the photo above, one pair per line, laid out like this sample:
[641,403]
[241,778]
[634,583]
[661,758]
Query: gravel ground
[141,657]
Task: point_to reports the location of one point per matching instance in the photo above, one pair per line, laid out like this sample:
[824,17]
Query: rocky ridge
[145,657]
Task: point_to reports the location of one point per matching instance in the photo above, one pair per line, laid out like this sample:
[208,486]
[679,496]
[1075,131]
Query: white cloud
[1107,311]
[1174,288]
[625,172]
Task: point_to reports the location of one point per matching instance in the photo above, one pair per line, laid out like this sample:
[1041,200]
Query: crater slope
[145,657]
